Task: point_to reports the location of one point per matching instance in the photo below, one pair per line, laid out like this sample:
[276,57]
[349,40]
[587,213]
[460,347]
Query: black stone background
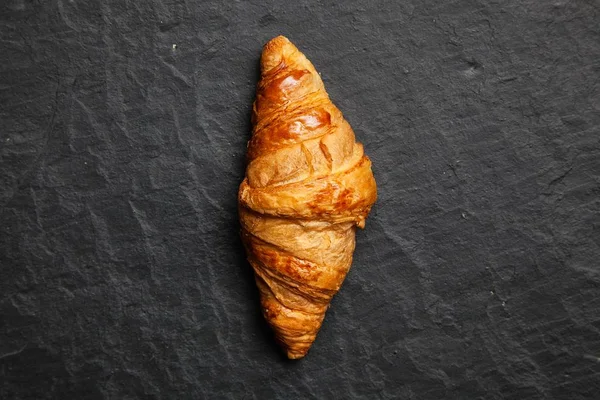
[123,132]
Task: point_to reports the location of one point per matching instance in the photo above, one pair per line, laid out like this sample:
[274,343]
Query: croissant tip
[277,45]
[296,355]
[277,40]
[275,51]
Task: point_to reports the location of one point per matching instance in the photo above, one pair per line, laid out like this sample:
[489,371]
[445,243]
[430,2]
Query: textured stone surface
[122,141]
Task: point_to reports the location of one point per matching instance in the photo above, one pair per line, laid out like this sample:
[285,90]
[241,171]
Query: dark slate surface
[123,132]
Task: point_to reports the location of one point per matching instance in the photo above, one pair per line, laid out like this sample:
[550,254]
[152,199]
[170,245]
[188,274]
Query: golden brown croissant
[308,185]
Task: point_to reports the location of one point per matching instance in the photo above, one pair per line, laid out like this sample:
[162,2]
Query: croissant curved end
[275,51]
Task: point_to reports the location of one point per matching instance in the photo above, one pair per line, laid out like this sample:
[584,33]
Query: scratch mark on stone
[61,12]
[591,358]
[453,169]
[176,73]
[13,353]
[560,177]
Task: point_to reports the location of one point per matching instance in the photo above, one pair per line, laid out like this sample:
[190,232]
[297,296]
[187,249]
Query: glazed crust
[308,185]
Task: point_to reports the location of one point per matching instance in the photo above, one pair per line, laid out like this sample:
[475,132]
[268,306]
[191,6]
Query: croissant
[308,185]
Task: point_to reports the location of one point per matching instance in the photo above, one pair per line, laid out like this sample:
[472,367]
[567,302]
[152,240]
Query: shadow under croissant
[267,335]
[253,296]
